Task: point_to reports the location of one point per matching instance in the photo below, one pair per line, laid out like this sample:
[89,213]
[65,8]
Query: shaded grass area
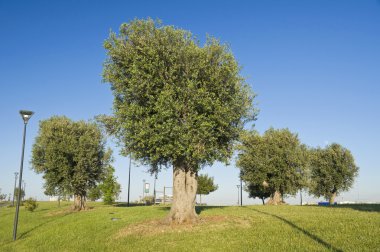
[251,228]
[361,207]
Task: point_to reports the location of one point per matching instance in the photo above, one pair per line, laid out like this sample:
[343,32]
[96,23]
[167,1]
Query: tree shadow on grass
[304,231]
[200,209]
[361,207]
[42,209]
[124,204]
[24,234]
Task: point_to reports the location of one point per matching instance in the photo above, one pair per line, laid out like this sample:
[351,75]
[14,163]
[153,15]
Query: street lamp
[143,190]
[129,176]
[154,189]
[241,192]
[26,115]
[23,197]
[238,186]
[14,189]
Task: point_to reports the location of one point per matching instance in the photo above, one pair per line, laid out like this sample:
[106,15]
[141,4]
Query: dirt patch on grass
[66,211]
[156,227]
[60,212]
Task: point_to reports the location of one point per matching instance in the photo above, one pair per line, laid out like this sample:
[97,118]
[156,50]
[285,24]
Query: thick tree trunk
[79,202]
[275,199]
[184,192]
[263,201]
[332,198]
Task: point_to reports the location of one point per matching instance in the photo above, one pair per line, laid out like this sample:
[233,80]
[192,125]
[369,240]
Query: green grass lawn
[253,228]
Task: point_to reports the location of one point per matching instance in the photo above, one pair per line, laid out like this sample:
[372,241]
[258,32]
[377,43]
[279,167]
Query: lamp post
[238,186]
[14,189]
[241,192]
[23,197]
[143,190]
[154,188]
[129,176]
[26,115]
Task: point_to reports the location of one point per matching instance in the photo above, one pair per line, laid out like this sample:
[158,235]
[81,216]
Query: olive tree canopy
[274,160]
[70,155]
[176,103]
[333,170]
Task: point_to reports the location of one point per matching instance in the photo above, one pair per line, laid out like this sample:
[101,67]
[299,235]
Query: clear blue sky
[315,66]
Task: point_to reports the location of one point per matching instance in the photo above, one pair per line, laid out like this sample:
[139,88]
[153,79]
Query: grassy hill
[252,228]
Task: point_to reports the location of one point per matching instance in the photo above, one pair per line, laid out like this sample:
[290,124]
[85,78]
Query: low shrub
[30,204]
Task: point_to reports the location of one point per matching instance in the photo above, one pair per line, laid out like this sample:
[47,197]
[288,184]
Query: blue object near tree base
[325,203]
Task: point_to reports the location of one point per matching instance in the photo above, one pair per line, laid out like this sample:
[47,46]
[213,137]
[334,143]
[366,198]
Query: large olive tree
[71,156]
[176,102]
[333,170]
[274,161]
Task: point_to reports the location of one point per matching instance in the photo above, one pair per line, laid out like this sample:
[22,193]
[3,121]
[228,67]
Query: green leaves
[285,165]
[110,188]
[70,155]
[205,184]
[333,170]
[276,158]
[175,101]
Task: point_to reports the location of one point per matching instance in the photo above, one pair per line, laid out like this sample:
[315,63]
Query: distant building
[55,198]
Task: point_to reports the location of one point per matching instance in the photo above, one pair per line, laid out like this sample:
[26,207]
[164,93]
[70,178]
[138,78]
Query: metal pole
[19,186]
[14,189]
[23,197]
[238,194]
[154,189]
[143,190]
[241,192]
[164,195]
[129,176]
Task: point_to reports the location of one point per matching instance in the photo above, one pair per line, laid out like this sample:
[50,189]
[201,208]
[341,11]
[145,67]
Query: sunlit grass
[253,228]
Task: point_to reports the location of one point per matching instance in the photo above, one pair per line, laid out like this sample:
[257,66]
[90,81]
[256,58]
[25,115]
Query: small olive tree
[110,188]
[71,156]
[333,170]
[205,186]
[177,103]
[273,160]
[258,191]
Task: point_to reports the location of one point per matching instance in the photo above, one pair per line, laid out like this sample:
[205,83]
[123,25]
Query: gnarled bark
[275,199]
[79,202]
[184,192]
[332,198]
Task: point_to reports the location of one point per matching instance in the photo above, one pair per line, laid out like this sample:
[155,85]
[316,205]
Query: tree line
[276,164]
